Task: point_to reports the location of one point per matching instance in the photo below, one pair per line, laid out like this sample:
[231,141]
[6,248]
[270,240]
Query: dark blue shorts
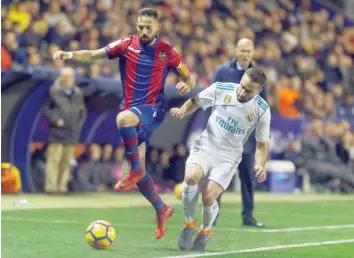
[150,118]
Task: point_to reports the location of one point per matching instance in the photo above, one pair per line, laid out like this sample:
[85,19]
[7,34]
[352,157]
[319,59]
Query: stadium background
[305,47]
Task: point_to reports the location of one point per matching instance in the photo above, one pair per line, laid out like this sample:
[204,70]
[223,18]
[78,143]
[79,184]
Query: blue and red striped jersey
[143,69]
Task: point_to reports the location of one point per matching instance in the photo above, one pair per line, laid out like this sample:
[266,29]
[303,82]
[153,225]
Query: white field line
[264,248]
[293,214]
[292,229]
[304,228]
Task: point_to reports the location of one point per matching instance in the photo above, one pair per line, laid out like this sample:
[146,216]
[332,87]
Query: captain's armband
[183,70]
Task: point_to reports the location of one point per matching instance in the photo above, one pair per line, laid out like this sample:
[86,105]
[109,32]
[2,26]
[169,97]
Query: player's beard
[146,40]
[239,97]
[243,100]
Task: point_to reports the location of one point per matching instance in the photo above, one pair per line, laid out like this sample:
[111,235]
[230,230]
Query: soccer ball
[100,234]
[178,191]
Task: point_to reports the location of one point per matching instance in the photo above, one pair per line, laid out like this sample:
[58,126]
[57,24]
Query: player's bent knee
[209,198]
[127,118]
[191,180]
[211,193]
[193,174]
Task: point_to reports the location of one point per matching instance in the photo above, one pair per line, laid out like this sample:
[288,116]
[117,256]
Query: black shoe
[250,221]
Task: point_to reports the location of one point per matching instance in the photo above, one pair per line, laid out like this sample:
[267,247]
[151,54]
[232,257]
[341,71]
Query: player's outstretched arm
[187,84]
[190,81]
[261,157]
[204,99]
[189,107]
[81,55]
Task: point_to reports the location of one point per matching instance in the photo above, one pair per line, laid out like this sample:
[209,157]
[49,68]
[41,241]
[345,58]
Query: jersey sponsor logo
[227,99]
[162,55]
[134,50]
[231,125]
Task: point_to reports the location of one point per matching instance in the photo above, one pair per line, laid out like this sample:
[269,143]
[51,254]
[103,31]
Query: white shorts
[216,167]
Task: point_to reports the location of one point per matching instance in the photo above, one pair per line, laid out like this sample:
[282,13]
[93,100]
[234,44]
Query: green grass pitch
[297,226]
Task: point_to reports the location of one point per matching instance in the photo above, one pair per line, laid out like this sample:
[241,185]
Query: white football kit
[219,148]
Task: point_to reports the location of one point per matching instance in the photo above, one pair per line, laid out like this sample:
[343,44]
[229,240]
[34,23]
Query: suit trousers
[58,167]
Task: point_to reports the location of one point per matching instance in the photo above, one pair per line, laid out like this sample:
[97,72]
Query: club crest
[250,117]
[227,99]
[162,55]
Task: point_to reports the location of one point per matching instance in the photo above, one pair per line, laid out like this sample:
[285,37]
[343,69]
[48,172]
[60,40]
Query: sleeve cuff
[109,55]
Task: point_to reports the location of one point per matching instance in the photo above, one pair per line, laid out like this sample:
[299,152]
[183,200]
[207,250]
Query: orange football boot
[127,183]
[161,221]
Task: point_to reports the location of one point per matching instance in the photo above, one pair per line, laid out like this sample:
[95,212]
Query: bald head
[244,52]
[67,77]
[245,42]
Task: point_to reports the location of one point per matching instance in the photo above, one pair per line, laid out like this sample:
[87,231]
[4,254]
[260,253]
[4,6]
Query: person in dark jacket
[232,72]
[65,110]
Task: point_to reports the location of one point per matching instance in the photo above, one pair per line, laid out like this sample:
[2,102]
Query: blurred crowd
[99,167]
[326,155]
[307,55]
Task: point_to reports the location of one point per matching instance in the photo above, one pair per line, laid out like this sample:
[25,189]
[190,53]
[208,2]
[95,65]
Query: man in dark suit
[232,72]
[66,112]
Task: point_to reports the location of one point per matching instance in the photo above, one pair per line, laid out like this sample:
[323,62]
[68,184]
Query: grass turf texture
[54,226]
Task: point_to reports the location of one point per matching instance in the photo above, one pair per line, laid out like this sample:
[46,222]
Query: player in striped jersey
[144,62]
[237,110]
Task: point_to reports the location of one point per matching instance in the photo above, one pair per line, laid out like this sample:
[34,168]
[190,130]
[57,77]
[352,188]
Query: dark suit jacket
[68,107]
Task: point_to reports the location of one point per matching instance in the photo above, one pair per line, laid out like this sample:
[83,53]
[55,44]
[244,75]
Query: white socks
[190,195]
[209,215]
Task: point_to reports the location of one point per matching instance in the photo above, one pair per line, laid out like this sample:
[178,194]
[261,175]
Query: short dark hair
[256,75]
[148,12]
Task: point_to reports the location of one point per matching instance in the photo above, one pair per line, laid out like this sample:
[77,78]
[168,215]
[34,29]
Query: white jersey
[231,121]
